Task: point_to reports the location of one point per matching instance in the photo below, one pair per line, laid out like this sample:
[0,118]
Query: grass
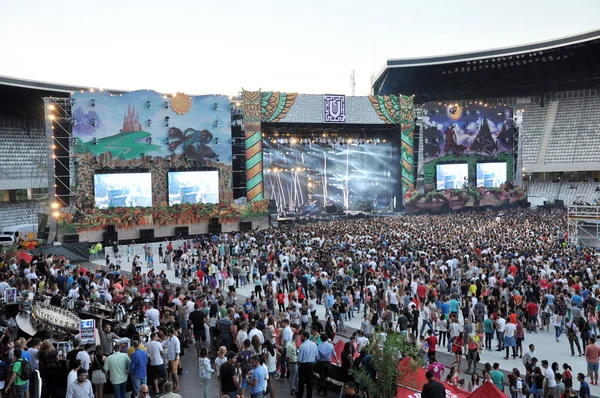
[122,145]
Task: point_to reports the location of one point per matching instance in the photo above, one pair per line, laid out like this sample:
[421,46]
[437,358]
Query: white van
[7,240]
[17,231]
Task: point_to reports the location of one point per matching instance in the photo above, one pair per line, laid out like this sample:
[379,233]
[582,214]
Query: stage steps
[547,132]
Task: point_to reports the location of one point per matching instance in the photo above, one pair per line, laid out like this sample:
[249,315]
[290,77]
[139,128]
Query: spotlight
[94,122]
[55,205]
[217,141]
[467,112]
[149,140]
[74,121]
[93,102]
[217,158]
[216,124]
[453,110]
[95,141]
[425,112]
[56,214]
[166,104]
[149,122]
[477,112]
[167,121]
[436,111]
[216,106]
[73,102]
[148,104]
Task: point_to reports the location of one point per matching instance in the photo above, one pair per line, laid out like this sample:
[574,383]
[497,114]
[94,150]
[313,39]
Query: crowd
[459,283]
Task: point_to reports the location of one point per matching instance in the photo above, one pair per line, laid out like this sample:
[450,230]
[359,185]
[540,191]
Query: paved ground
[546,345]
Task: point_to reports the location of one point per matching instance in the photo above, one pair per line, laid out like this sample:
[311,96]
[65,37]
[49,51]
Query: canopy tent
[411,382]
[487,390]
[74,252]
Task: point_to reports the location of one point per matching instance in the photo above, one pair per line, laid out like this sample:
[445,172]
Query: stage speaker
[272,206]
[110,237]
[146,234]
[214,229]
[182,231]
[214,221]
[110,228]
[73,238]
[245,226]
[331,209]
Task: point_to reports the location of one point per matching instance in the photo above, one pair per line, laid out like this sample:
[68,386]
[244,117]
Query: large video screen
[452,176]
[193,187]
[123,190]
[491,174]
[308,176]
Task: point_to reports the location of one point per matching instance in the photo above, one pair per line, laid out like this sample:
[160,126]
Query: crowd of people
[460,283]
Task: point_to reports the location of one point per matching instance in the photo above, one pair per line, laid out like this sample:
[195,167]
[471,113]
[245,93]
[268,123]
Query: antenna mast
[353,82]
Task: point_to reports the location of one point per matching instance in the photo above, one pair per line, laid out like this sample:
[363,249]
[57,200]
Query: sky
[220,47]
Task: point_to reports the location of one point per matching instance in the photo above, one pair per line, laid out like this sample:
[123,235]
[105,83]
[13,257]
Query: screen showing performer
[491,174]
[193,187]
[123,190]
[452,176]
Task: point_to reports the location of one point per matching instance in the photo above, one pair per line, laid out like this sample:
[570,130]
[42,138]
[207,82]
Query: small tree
[385,356]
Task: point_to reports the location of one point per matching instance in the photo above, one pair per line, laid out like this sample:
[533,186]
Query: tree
[386,352]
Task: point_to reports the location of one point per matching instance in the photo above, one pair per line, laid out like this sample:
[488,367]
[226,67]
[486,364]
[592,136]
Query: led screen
[452,176]
[123,190]
[193,187]
[491,174]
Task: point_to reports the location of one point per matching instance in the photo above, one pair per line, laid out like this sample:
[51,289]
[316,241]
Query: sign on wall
[335,108]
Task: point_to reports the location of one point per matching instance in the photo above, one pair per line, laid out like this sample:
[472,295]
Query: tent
[487,390]
[411,382]
[74,252]
[24,256]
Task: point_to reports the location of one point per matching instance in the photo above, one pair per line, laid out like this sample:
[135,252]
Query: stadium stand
[535,118]
[22,153]
[25,212]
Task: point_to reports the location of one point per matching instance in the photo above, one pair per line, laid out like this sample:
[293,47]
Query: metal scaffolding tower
[584,226]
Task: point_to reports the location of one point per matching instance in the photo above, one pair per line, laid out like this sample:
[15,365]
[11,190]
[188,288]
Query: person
[433,388]
[117,366]
[549,381]
[497,376]
[144,391]
[584,388]
[307,355]
[168,388]
[560,386]
[529,355]
[157,371]
[138,366]
[257,378]
[98,377]
[72,375]
[228,376]
[516,387]
[204,370]
[173,350]
[592,351]
[21,385]
[435,367]
[81,387]
[107,337]
[571,331]
[349,391]
[49,368]
[323,365]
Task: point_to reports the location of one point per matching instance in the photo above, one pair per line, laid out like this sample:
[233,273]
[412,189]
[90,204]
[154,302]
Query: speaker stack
[73,238]
[214,228]
[146,234]
[245,226]
[110,237]
[182,231]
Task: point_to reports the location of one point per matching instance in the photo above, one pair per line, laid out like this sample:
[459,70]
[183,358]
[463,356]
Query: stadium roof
[566,63]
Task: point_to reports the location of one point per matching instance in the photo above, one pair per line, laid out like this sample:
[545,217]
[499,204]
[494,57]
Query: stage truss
[583,223]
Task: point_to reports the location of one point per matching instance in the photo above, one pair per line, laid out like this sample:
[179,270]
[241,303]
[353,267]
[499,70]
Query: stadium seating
[20,212]
[22,155]
[534,120]
[568,192]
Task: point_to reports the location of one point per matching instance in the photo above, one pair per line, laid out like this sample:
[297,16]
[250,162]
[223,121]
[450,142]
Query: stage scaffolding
[583,223]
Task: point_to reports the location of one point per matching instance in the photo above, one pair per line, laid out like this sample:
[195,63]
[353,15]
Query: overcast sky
[218,47]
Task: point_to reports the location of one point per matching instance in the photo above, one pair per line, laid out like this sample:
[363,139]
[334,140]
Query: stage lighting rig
[95,141]
[149,122]
[94,122]
[167,121]
[216,124]
[216,106]
[74,122]
[73,102]
[93,102]
[166,104]
[217,141]
[436,111]
[467,112]
[149,141]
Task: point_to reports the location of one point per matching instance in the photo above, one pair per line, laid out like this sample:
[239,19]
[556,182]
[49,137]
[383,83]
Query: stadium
[503,138]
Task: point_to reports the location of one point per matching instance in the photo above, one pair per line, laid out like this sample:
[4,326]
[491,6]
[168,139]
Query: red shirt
[531,308]
[513,270]
[280,298]
[432,342]
[421,290]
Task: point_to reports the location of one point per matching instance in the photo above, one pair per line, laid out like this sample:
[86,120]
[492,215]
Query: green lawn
[122,145]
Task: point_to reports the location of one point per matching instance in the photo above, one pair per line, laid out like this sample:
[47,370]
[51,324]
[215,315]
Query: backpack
[25,373]
[525,390]
[3,370]
[571,333]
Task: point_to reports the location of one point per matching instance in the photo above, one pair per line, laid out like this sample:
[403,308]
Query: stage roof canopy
[569,63]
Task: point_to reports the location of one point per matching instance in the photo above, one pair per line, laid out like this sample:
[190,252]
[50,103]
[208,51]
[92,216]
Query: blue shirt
[584,390]
[139,361]
[324,352]
[445,308]
[258,373]
[307,352]
[454,305]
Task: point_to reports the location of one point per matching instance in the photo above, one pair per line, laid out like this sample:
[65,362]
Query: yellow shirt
[132,349]
[473,289]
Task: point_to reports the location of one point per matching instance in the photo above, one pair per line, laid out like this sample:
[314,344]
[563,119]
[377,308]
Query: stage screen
[491,174]
[309,175]
[452,176]
[123,190]
[193,187]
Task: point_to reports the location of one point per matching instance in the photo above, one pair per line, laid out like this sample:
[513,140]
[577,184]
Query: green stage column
[253,141]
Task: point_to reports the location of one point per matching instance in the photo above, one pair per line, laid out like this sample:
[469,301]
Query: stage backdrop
[470,134]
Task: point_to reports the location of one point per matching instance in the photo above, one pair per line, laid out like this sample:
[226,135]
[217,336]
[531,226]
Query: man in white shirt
[84,357]
[361,341]
[549,380]
[500,325]
[153,314]
[255,332]
[173,349]
[155,352]
[509,339]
